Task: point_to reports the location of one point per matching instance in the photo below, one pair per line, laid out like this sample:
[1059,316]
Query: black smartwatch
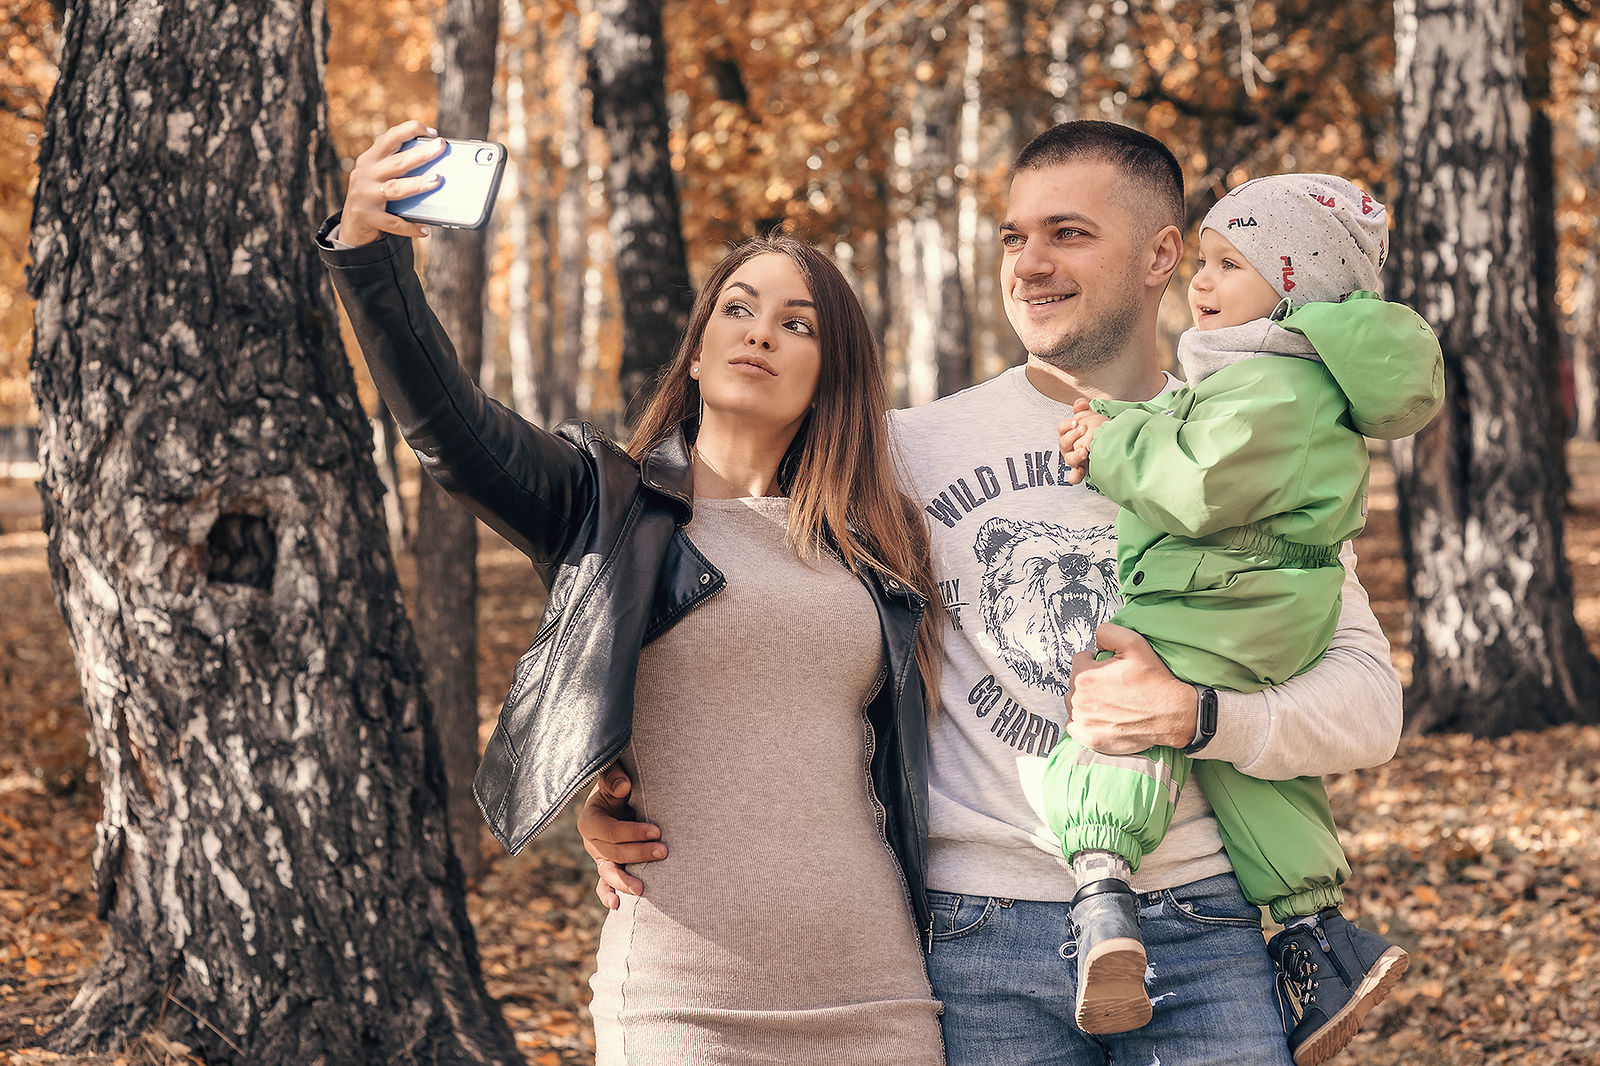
[1205,724]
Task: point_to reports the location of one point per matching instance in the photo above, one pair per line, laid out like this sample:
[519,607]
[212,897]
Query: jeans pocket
[957,916]
[1215,908]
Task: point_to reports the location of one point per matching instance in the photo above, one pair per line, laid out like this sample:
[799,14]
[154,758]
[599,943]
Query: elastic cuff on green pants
[1078,838]
[1308,902]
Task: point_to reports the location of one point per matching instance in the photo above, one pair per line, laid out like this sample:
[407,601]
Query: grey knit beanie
[1314,237]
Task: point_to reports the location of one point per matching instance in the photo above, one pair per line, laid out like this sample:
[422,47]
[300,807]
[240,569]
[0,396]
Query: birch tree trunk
[1586,289]
[977,272]
[1061,75]
[938,345]
[1495,644]
[525,378]
[572,232]
[446,546]
[272,855]
[627,71]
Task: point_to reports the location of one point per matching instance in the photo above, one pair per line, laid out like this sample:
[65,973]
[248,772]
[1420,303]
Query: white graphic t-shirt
[1026,565]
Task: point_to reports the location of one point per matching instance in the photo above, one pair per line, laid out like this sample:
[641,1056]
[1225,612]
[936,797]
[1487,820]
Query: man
[1027,564]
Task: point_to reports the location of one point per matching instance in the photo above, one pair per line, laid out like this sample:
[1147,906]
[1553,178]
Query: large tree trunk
[627,70]
[1494,642]
[272,855]
[446,547]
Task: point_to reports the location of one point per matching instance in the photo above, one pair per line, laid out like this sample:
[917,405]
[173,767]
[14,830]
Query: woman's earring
[694,371]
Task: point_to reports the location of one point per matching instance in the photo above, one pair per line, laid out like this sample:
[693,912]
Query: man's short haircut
[1146,161]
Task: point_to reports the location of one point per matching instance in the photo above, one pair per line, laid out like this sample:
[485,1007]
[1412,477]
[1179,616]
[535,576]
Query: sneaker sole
[1331,1039]
[1114,998]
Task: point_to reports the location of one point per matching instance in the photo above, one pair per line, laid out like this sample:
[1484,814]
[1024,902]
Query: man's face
[1072,266]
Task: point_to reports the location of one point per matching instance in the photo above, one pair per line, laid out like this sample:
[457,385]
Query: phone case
[463,199]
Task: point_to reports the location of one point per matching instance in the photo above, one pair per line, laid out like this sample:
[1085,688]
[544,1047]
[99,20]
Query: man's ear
[1163,253]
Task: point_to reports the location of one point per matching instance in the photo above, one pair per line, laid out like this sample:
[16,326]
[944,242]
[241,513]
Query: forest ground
[1481,857]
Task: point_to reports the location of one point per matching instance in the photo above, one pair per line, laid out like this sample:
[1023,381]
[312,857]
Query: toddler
[1236,493]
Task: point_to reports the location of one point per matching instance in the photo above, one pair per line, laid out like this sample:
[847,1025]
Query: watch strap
[1205,718]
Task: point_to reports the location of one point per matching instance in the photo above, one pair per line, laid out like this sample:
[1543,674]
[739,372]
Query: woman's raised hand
[377,179]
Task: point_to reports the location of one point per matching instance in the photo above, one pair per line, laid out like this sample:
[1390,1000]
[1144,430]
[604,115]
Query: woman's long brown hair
[837,472]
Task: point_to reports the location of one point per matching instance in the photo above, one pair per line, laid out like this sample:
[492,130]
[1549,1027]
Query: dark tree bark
[272,855]
[447,535]
[627,69]
[1539,24]
[1494,641]
[1020,86]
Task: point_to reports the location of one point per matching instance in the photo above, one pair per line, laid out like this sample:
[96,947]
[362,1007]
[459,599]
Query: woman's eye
[801,326]
[735,309]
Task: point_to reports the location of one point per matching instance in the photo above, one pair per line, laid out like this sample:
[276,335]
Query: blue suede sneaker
[1331,973]
[1111,996]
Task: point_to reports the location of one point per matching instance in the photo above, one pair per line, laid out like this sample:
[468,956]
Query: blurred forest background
[879,130]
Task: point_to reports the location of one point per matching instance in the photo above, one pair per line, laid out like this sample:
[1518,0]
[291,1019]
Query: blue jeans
[1006,971]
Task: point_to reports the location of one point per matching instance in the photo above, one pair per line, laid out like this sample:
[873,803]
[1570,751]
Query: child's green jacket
[1238,490]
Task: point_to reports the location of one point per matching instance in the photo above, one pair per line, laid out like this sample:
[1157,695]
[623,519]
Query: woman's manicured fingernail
[426,231]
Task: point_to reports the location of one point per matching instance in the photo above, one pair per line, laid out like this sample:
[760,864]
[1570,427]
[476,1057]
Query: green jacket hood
[1384,356]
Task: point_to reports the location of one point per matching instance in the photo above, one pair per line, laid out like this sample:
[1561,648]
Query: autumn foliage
[807,114]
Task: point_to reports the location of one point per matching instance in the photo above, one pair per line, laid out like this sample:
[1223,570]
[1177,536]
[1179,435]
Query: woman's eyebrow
[751,289]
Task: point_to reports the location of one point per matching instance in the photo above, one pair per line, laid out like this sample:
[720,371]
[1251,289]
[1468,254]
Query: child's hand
[1077,435]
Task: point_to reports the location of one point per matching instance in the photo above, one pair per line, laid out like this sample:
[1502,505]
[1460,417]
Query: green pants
[1241,611]
[1279,834]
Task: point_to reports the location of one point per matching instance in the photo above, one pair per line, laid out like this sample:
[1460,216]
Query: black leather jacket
[606,534]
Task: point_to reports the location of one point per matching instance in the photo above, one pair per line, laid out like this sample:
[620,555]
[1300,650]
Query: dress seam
[633,919]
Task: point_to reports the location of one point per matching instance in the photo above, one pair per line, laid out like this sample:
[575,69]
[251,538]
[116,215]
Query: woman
[735,608]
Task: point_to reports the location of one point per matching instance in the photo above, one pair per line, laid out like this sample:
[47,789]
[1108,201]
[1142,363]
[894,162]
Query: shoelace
[1297,981]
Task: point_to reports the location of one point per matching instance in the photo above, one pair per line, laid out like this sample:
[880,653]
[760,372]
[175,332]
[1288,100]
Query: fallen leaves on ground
[1481,858]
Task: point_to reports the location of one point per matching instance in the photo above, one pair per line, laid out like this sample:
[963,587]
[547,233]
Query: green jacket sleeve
[1256,439]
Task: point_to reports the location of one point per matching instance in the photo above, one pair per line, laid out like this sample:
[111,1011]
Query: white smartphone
[470,176]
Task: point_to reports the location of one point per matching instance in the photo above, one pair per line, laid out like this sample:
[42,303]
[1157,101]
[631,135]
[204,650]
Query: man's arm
[1342,714]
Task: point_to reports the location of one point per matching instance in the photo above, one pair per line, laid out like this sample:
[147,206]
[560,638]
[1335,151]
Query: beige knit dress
[777,930]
